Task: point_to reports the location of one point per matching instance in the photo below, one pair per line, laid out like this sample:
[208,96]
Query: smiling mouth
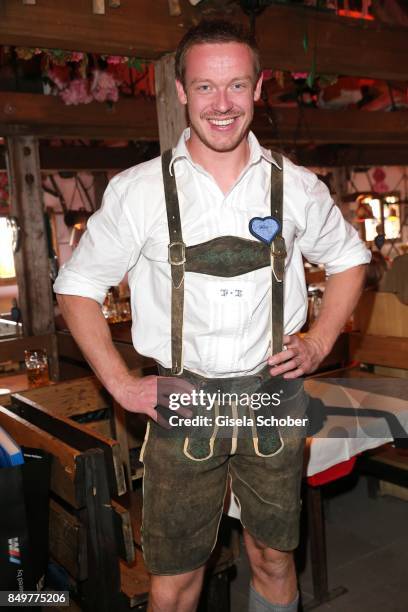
[222,122]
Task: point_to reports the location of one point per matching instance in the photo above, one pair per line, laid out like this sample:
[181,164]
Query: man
[210,322]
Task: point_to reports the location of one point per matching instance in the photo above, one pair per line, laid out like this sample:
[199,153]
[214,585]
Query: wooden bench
[86,401]
[95,516]
[90,533]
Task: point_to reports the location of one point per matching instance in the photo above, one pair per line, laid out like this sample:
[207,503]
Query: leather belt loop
[177,260]
[278,254]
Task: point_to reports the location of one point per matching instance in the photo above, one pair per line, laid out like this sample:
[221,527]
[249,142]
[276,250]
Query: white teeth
[221,121]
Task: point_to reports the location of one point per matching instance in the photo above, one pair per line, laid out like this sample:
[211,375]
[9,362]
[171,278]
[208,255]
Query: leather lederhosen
[225,256]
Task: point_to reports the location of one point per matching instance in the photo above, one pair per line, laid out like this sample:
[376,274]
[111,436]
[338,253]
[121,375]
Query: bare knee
[178,593]
[268,563]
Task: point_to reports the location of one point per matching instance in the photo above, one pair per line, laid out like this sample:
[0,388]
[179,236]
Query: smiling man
[214,307]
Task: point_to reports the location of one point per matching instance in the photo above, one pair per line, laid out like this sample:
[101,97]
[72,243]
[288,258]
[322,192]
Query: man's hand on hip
[142,395]
[302,356]
[137,394]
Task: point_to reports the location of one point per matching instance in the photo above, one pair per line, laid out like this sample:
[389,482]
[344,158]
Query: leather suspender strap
[278,254]
[177,259]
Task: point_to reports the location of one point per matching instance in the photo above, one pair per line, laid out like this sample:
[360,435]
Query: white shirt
[226,321]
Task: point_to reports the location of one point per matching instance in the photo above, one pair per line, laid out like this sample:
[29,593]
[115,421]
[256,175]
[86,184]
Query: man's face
[220,90]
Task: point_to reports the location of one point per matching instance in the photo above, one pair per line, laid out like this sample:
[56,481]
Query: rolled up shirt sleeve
[107,250]
[326,237]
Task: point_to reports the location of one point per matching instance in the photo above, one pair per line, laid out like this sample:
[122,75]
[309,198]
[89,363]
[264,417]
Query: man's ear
[182,96]
[258,88]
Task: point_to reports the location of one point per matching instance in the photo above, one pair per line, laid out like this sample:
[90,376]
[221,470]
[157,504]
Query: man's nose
[222,102]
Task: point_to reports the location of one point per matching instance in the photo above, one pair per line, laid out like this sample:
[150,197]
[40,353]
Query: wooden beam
[76,158]
[31,259]
[170,113]
[340,45]
[95,158]
[355,155]
[337,45]
[314,126]
[136,119]
[48,116]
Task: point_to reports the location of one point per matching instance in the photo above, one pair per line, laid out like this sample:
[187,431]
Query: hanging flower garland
[80,78]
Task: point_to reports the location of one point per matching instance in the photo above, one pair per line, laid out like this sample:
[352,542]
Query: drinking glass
[37,367]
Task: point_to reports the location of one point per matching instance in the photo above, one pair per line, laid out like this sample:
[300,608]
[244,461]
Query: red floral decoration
[4,193]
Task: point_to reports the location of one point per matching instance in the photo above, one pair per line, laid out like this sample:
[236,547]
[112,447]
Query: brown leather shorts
[187,475]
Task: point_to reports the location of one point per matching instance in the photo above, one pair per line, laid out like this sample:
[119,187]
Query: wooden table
[335,469]
[12,383]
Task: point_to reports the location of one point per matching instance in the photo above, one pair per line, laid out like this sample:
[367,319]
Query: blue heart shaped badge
[264,228]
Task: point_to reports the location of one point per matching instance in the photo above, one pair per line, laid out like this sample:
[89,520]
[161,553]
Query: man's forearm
[91,332]
[340,298]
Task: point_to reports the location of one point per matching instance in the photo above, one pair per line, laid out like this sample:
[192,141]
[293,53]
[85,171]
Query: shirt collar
[256,152]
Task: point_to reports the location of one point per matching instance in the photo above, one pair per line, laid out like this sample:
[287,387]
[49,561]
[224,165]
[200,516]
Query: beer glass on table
[37,367]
